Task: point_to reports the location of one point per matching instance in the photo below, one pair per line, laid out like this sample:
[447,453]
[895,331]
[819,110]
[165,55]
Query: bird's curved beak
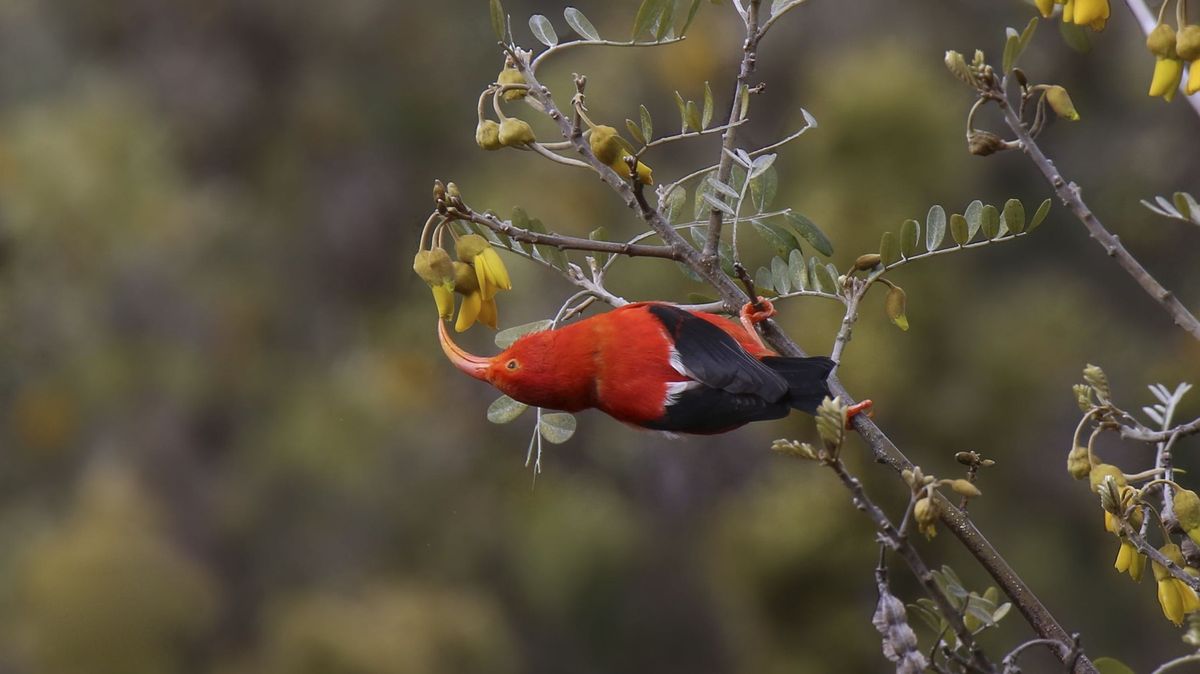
[473,365]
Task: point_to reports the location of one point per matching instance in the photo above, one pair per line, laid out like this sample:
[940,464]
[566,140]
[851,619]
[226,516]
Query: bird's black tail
[806,379]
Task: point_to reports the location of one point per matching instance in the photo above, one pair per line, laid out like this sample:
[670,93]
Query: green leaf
[674,203]
[689,272]
[1026,37]
[822,279]
[635,131]
[683,113]
[580,24]
[599,234]
[505,409]
[959,229]
[935,227]
[763,280]
[1183,203]
[990,223]
[700,206]
[706,116]
[690,15]
[1012,43]
[497,19]
[557,427]
[1001,611]
[1075,36]
[763,188]
[552,254]
[798,270]
[889,249]
[974,217]
[807,230]
[1107,665]
[717,204]
[1013,216]
[726,190]
[506,337]
[647,123]
[781,275]
[778,238]
[543,30]
[760,164]
[693,116]
[647,13]
[927,616]
[663,26]
[910,237]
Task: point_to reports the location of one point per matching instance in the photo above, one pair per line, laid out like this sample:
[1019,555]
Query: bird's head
[525,371]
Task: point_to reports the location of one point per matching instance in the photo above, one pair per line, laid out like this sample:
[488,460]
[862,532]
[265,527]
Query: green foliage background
[230,441]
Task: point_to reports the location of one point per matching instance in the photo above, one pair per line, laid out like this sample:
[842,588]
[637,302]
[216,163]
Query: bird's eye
[512,364]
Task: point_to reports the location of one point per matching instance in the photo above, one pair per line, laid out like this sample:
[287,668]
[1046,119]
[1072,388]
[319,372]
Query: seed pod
[965,488]
[512,76]
[487,135]
[1102,470]
[1161,41]
[1060,102]
[1187,43]
[867,262]
[515,132]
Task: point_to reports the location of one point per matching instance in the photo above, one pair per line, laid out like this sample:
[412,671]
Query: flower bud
[515,132]
[512,76]
[433,266]
[1165,81]
[1060,102]
[487,135]
[984,143]
[1102,470]
[894,305]
[958,67]
[867,262]
[1078,463]
[965,488]
[1161,41]
[926,512]
[469,246]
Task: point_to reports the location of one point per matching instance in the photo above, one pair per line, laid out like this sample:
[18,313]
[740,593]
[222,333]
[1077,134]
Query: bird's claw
[856,409]
[758,311]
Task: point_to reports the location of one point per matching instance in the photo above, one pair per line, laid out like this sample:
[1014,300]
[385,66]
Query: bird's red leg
[756,312]
[858,408]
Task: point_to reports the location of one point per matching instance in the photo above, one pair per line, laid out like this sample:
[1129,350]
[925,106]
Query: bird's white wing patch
[676,388]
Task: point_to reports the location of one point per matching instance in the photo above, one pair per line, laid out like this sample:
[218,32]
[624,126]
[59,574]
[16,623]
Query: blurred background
[230,442]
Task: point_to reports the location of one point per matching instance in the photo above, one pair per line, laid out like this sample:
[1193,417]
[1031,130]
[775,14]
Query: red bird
[656,366]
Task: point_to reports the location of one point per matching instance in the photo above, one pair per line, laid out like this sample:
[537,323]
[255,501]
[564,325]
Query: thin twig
[1144,434]
[1171,664]
[563,46]
[778,15]
[1010,660]
[658,142]
[563,242]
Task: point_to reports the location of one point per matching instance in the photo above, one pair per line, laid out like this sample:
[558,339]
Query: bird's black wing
[712,357]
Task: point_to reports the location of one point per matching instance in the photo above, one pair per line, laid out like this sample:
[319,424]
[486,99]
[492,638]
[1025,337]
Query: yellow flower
[435,268]
[607,147]
[474,306]
[489,268]
[1091,13]
[1046,7]
[1167,74]
[1193,81]
[1187,46]
[1069,12]
[1176,597]
[926,513]
[1129,560]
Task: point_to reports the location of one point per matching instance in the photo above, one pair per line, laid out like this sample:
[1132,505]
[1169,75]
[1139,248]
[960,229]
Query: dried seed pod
[515,132]
[867,262]
[984,143]
[512,76]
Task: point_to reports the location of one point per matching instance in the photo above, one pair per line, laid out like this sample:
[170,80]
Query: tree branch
[1070,195]
[729,140]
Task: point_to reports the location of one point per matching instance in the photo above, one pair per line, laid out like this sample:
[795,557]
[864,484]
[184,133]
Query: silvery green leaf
[781,275]
[1013,216]
[557,427]
[974,216]
[663,29]
[935,227]
[693,116]
[1153,414]
[959,229]
[706,116]
[722,187]
[779,239]
[1026,37]
[1075,36]
[717,204]
[635,131]
[647,14]
[505,409]
[798,270]
[599,234]
[889,249]
[809,120]
[822,278]
[763,280]
[497,19]
[761,164]
[674,203]
[543,30]
[1012,42]
[1155,209]
[763,188]
[690,16]
[990,224]
[580,24]
[809,231]
[647,123]
[1167,206]
[683,113]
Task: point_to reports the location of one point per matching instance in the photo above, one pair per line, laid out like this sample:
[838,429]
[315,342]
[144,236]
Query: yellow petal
[1137,566]
[1191,603]
[468,312]
[487,313]
[1069,12]
[1124,558]
[1167,73]
[1193,82]
[444,298]
[1046,7]
[644,174]
[1171,602]
[486,287]
[1111,525]
[496,270]
[1088,12]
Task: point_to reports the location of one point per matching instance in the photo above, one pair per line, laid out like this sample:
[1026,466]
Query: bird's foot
[758,311]
[856,409]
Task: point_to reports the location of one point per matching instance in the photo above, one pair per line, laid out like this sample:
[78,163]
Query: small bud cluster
[509,131]
[478,273]
[927,507]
